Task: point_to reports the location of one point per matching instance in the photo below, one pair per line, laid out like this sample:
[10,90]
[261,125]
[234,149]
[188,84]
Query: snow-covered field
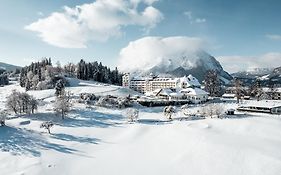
[100,141]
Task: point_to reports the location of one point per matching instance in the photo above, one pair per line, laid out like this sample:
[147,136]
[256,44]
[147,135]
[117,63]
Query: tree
[238,89]
[168,112]
[272,91]
[3,115]
[21,102]
[47,125]
[258,91]
[212,83]
[212,110]
[132,114]
[70,69]
[4,80]
[62,104]
[12,102]
[60,86]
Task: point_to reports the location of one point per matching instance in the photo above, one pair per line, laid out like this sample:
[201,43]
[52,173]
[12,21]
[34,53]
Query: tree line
[43,75]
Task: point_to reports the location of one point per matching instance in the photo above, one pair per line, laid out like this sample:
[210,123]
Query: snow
[101,141]
[194,91]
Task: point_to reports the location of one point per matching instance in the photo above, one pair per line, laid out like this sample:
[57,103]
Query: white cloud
[192,19]
[188,14]
[200,20]
[242,63]
[98,21]
[274,37]
[147,52]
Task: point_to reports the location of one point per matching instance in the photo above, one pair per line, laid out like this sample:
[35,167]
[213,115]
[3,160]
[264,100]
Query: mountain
[265,75]
[9,67]
[196,63]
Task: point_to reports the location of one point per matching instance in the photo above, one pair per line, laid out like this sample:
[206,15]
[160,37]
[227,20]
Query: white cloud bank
[98,21]
[243,63]
[148,52]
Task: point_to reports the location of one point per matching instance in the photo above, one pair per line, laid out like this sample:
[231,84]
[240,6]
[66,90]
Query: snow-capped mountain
[264,75]
[196,63]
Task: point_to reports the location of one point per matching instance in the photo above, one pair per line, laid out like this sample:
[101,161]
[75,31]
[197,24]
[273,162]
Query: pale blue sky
[239,29]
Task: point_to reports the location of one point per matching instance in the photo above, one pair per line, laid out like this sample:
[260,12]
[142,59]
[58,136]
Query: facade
[151,83]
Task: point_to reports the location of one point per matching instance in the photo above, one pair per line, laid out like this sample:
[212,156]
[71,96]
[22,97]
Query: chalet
[195,95]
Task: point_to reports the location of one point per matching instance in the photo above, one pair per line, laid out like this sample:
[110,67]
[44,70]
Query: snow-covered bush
[132,114]
[185,110]
[168,112]
[212,110]
[3,115]
[21,102]
[123,102]
[47,125]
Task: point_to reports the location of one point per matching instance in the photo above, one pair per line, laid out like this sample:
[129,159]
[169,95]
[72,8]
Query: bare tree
[168,112]
[212,110]
[47,125]
[218,110]
[212,83]
[70,69]
[238,89]
[62,104]
[258,90]
[272,92]
[21,102]
[132,114]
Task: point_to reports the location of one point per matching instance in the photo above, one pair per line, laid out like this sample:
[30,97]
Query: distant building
[151,83]
[262,106]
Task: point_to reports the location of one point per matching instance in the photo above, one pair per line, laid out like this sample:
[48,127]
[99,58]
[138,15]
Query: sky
[241,34]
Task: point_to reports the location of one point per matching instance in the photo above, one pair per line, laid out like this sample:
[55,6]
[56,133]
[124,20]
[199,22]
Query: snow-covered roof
[189,80]
[166,91]
[263,104]
[194,91]
[228,95]
[268,89]
[176,94]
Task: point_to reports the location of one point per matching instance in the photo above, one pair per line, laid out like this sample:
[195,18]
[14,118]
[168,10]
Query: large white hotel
[151,83]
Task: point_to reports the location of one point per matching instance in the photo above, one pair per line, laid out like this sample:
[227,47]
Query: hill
[9,67]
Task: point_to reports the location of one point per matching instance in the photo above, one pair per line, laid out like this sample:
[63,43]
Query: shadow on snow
[21,141]
[80,118]
[67,137]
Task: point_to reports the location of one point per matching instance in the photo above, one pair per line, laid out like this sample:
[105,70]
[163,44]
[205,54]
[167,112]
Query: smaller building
[262,107]
[230,112]
[229,96]
[195,95]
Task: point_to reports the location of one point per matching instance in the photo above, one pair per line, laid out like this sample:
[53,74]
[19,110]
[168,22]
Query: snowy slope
[100,141]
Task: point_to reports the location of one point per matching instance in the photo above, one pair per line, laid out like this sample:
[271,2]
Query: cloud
[192,19]
[99,21]
[243,63]
[200,20]
[188,14]
[274,37]
[148,52]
